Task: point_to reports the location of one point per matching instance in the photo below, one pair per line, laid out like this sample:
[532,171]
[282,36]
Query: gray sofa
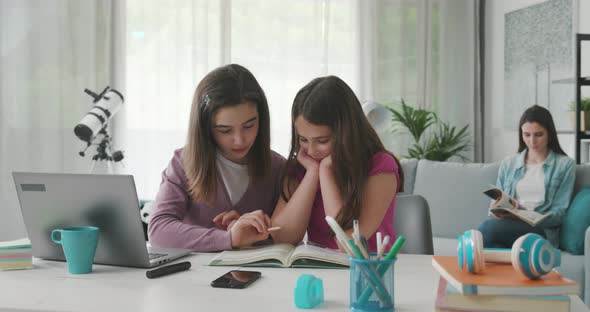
[454,193]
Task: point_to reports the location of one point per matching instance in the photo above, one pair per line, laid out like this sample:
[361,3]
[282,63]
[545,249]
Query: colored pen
[399,242]
[385,242]
[383,245]
[379,245]
[356,235]
[365,245]
[169,269]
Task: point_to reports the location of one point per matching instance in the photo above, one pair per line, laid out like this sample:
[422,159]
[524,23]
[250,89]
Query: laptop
[51,201]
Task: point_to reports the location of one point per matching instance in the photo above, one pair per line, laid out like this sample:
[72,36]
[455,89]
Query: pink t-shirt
[318,230]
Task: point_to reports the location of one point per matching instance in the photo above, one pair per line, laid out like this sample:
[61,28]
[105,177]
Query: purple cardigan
[179,222]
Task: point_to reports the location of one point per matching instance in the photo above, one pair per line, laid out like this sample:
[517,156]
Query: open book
[503,204]
[284,255]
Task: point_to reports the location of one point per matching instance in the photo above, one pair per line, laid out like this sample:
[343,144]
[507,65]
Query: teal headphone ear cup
[479,262]
[460,251]
[470,251]
[533,256]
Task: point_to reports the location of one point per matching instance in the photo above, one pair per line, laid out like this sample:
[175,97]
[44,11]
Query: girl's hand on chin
[326,162]
[307,161]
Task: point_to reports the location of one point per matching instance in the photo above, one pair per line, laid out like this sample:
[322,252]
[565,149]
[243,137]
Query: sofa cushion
[409,169]
[454,194]
[576,221]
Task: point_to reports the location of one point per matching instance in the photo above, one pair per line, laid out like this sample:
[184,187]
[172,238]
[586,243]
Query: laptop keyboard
[153,255]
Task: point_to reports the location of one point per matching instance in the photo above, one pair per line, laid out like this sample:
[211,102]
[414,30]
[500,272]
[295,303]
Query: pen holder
[371,285]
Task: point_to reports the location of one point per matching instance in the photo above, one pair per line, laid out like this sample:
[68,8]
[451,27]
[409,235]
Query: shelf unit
[581,136]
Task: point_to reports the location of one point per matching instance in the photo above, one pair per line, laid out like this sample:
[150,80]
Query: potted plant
[434,139]
[584,113]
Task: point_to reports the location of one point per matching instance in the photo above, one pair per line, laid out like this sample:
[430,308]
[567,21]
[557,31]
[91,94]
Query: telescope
[106,105]
[95,123]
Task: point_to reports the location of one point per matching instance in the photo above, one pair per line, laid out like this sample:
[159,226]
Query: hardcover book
[449,299]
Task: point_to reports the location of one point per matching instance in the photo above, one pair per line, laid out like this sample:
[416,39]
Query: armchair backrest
[412,220]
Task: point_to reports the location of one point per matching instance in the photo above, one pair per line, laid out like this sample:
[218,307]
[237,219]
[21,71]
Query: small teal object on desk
[309,291]
[79,246]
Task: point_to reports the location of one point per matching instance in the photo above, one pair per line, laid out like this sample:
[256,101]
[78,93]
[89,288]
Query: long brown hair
[543,117]
[225,86]
[329,101]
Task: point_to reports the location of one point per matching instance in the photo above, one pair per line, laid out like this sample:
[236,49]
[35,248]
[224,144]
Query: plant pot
[584,120]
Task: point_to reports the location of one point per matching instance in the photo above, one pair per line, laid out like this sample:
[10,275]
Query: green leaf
[449,141]
[584,104]
[437,143]
[416,121]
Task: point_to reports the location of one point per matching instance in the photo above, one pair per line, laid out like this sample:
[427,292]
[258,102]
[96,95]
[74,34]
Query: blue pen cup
[372,285]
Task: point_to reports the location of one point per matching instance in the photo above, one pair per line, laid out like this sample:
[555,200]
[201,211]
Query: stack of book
[499,288]
[16,254]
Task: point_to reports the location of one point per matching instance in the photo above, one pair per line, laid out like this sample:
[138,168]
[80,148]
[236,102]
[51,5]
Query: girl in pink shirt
[337,167]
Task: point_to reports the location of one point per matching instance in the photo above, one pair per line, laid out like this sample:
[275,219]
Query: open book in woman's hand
[504,203]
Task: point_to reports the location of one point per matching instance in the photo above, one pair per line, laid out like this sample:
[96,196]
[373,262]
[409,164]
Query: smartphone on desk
[236,279]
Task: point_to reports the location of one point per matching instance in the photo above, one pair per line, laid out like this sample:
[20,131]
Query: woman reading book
[337,167]
[226,173]
[540,177]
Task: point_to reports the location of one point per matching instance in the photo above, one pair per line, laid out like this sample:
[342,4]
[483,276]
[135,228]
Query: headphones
[531,254]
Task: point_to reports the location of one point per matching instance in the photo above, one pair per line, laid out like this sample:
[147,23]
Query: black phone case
[240,285]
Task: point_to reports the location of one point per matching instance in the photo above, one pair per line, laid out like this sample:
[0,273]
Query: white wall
[501,142]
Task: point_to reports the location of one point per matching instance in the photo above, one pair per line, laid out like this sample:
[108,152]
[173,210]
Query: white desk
[48,287]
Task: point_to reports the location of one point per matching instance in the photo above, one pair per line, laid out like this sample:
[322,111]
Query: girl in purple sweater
[220,188]
[337,167]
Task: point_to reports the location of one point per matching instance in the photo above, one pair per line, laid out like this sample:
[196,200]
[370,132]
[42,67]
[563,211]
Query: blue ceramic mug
[79,245]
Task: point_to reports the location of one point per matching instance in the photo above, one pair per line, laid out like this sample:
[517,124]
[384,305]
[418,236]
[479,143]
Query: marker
[356,235]
[399,242]
[365,245]
[169,269]
[356,232]
[383,245]
[385,242]
[379,245]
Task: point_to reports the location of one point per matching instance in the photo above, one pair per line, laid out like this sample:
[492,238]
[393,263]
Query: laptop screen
[51,201]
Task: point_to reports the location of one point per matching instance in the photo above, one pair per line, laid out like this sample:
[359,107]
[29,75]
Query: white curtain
[50,50]
[428,54]
[453,73]
[171,47]
[384,49]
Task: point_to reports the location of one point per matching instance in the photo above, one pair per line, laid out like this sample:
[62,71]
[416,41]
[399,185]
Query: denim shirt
[559,173]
